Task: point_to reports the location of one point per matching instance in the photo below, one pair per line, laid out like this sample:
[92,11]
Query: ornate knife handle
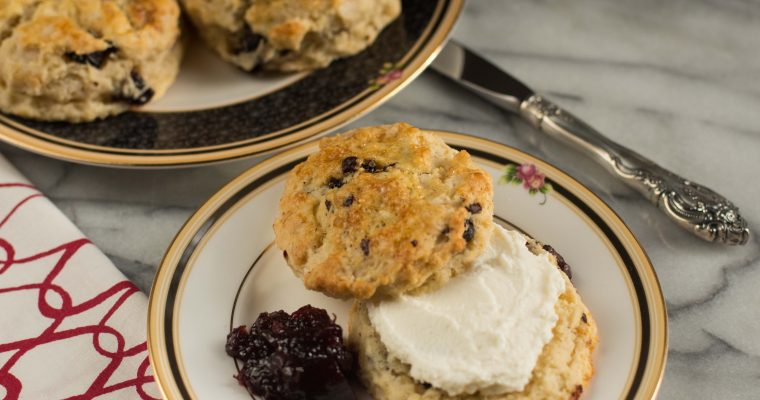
[695,207]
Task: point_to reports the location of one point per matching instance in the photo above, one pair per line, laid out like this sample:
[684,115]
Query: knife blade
[695,207]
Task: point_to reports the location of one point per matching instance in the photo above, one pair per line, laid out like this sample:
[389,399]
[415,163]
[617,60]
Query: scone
[79,60]
[562,369]
[383,210]
[289,35]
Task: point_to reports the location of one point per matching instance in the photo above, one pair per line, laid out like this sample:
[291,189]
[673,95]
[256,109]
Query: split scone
[289,35]
[79,60]
[513,327]
[383,210]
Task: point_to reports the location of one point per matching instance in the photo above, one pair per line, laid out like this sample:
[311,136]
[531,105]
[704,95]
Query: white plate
[223,270]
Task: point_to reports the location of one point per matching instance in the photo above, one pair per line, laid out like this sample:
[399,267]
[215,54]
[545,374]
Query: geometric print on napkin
[71,325]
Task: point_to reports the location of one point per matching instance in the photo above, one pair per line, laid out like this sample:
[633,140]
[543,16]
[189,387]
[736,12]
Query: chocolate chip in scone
[248,41]
[584,318]
[563,266]
[474,208]
[328,205]
[97,58]
[414,243]
[333,183]
[348,201]
[365,246]
[349,165]
[285,254]
[469,230]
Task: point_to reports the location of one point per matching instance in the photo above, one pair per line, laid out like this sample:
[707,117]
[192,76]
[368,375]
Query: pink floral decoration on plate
[388,73]
[530,178]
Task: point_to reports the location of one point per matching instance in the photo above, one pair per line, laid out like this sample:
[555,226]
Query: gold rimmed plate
[222,270]
[214,112]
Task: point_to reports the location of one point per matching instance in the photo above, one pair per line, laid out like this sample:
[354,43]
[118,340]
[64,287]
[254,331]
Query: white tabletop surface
[676,80]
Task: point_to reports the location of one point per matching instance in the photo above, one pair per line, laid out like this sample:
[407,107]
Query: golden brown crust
[563,370]
[74,59]
[289,35]
[383,210]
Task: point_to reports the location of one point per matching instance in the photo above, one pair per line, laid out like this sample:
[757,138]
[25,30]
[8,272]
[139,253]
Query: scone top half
[383,210]
[78,60]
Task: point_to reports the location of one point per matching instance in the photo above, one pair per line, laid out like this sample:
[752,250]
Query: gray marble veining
[676,80]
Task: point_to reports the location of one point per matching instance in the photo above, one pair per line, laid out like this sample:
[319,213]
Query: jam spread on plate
[293,357]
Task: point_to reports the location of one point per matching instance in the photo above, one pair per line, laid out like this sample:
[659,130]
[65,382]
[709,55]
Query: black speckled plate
[214,112]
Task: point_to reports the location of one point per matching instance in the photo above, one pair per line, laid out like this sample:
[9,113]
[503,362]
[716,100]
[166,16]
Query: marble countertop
[676,80]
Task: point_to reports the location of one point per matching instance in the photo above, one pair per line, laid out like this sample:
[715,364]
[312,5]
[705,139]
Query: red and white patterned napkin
[71,325]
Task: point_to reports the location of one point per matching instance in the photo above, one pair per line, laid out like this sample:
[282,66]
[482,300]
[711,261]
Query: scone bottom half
[60,63]
[383,210]
[563,370]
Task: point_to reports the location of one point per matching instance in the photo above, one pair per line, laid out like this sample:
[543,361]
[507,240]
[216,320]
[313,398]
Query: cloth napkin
[71,325]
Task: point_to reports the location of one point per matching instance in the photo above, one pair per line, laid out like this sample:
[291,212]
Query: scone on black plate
[79,60]
[289,35]
[383,210]
[512,327]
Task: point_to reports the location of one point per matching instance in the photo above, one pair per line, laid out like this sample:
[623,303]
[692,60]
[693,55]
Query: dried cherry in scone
[96,58]
[289,357]
[348,201]
[334,183]
[469,230]
[139,93]
[349,165]
[370,166]
[561,263]
[248,41]
[474,208]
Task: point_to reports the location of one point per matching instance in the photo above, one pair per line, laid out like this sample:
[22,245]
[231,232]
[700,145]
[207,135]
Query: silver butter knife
[695,207]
